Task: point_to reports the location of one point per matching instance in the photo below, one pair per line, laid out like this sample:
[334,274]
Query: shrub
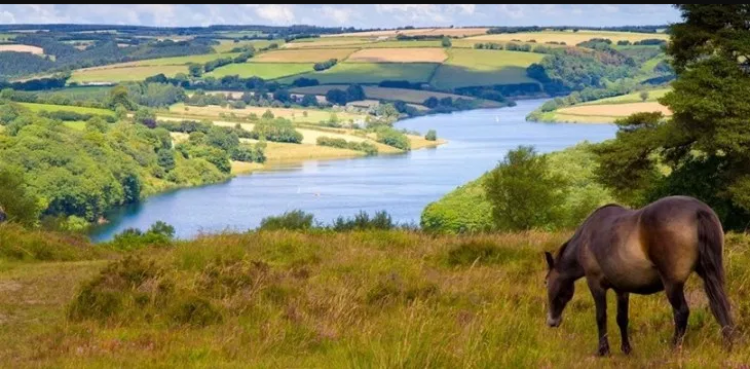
[431,135]
[293,220]
[160,233]
[392,137]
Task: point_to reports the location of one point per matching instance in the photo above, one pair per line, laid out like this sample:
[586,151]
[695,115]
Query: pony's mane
[560,252]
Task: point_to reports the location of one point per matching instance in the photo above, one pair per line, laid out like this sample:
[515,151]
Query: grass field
[369,299]
[77,109]
[469,67]
[399,55]
[614,110]
[22,49]
[634,97]
[457,32]
[226,46]
[105,74]
[178,60]
[262,70]
[302,55]
[284,152]
[569,37]
[78,92]
[326,42]
[295,115]
[346,73]
[384,93]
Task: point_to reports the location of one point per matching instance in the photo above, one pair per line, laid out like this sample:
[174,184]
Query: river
[400,184]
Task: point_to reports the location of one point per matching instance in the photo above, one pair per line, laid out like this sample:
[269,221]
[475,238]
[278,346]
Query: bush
[392,137]
[325,65]
[277,130]
[341,143]
[159,234]
[296,220]
[523,193]
[431,135]
[17,203]
[362,221]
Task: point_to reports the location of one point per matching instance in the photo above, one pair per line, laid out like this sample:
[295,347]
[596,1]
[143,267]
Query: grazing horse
[642,251]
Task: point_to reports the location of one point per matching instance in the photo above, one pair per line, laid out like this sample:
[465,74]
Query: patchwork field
[105,74]
[469,67]
[457,32]
[295,115]
[399,55]
[76,109]
[346,73]
[22,49]
[615,110]
[383,93]
[570,37]
[91,92]
[262,70]
[302,55]
[634,97]
[178,60]
[227,45]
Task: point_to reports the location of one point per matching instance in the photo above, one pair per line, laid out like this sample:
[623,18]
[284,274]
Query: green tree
[523,193]
[644,95]
[17,202]
[355,92]
[336,96]
[195,70]
[431,135]
[309,100]
[268,114]
[707,136]
[446,42]
[145,116]
[165,159]
[118,96]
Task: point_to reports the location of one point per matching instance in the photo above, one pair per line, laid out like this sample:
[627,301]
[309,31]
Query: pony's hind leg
[676,296]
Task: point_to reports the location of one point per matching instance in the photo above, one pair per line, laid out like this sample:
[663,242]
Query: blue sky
[360,16]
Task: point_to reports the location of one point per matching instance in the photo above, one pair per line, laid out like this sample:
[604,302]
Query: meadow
[456,32]
[135,73]
[569,37]
[347,73]
[417,55]
[262,70]
[469,67]
[302,55]
[22,49]
[319,299]
[34,107]
[227,45]
[612,111]
[295,115]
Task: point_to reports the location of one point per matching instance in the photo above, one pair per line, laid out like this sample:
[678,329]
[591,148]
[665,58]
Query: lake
[401,184]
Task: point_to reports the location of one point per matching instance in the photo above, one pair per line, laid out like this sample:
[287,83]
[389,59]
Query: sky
[358,16]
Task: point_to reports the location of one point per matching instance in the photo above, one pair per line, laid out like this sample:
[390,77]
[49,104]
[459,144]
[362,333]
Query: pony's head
[560,289]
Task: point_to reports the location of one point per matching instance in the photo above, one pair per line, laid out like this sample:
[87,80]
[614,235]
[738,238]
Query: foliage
[392,137]
[158,234]
[445,42]
[336,96]
[17,203]
[705,137]
[297,220]
[325,65]
[523,193]
[276,130]
[431,135]
[341,143]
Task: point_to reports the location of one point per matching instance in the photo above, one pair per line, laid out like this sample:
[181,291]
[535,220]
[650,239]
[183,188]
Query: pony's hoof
[603,351]
[626,349]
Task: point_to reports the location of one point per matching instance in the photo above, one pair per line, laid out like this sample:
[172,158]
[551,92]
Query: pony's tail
[711,268]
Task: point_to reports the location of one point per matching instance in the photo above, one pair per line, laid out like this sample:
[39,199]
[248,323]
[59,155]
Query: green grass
[653,95]
[78,93]
[262,70]
[364,299]
[345,73]
[183,60]
[226,46]
[77,109]
[135,73]
[470,67]
[78,125]
[648,66]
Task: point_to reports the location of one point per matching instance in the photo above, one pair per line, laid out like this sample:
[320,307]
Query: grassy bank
[362,299]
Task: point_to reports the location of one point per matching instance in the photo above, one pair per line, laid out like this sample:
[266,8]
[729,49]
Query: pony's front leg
[600,299]
[623,301]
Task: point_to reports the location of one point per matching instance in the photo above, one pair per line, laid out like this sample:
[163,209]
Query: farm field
[458,32]
[226,46]
[569,37]
[262,70]
[80,92]
[76,109]
[399,55]
[634,97]
[326,42]
[346,73]
[104,74]
[22,49]
[605,113]
[178,60]
[295,115]
[302,55]
[470,67]
[384,93]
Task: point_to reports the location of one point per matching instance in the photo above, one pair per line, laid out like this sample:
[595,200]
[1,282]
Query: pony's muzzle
[553,322]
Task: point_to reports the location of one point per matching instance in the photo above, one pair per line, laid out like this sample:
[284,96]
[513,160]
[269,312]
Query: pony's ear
[550,260]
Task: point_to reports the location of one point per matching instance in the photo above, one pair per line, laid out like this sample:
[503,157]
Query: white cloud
[7,17]
[609,8]
[340,15]
[513,11]
[424,13]
[275,13]
[466,8]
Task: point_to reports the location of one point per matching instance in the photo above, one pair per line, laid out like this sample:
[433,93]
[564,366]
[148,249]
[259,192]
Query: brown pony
[642,251]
